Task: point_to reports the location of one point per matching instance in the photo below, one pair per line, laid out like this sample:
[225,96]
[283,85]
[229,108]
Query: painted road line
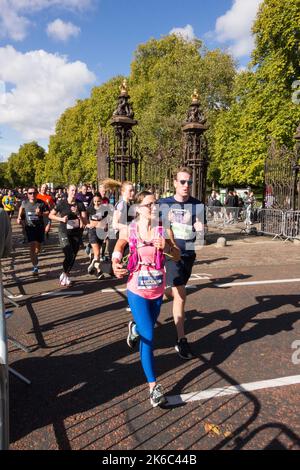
[57,294]
[124,289]
[120,289]
[256,283]
[195,276]
[234,389]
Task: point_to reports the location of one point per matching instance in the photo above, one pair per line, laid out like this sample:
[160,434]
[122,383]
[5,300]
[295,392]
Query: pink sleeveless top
[147,281]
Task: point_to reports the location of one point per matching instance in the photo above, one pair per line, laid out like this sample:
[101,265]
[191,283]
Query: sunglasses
[188,182]
[34,192]
[148,205]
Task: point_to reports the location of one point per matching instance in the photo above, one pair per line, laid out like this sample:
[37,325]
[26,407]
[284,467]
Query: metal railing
[225,216]
[4,393]
[272,222]
[291,226]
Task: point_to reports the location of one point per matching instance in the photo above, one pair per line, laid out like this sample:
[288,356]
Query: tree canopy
[26,167]
[262,107]
[244,110]
[163,75]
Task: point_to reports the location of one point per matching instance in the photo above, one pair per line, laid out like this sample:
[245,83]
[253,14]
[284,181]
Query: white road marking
[195,276]
[120,289]
[57,294]
[255,283]
[232,390]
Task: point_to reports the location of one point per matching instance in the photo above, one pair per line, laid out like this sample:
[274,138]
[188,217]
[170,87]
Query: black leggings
[70,242]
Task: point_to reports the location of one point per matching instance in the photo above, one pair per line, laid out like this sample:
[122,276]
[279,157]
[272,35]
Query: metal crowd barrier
[291,227]
[272,222]
[4,394]
[223,216]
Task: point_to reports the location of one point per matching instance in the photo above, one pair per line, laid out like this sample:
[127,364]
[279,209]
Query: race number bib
[32,216]
[149,279]
[182,231]
[71,224]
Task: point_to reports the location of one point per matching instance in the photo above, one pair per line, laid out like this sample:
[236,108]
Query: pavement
[88,390]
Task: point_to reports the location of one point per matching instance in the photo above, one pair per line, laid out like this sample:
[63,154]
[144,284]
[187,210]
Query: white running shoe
[91,267]
[68,281]
[62,279]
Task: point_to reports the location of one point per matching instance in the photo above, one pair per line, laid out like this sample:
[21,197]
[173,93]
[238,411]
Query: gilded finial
[195,96]
[123,87]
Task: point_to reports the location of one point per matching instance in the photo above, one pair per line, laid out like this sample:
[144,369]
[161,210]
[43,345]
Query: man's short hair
[183,169]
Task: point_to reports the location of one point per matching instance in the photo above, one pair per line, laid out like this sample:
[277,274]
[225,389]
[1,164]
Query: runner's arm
[53,216]
[19,218]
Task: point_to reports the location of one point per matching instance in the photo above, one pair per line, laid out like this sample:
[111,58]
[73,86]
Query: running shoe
[133,336]
[157,397]
[91,267]
[183,348]
[68,281]
[35,271]
[100,275]
[62,279]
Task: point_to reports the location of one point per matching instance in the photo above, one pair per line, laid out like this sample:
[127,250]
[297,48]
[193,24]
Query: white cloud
[234,27]
[186,33]
[61,30]
[14,22]
[43,86]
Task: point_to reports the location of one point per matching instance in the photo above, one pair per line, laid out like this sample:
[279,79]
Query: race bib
[149,279]
[183,231]
[32,216]
[71,224]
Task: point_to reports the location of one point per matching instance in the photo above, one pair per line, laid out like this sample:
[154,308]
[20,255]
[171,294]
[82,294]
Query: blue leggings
[145,313]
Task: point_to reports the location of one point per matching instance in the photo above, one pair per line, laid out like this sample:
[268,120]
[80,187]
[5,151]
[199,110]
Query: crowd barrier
[279,223]
[222,216]
[4,394]
[272,222]
[291,224]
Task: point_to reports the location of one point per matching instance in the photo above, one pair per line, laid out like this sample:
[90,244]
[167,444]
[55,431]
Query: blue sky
[53,52]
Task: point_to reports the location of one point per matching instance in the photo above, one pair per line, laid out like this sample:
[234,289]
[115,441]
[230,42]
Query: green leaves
[261,107]
[27,166]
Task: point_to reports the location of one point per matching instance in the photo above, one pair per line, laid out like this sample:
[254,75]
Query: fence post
[4,396]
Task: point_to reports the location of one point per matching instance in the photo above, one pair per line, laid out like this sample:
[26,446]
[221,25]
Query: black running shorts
[35,234]
[178,274]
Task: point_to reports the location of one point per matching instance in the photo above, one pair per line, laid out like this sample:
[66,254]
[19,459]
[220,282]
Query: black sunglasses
[149,205]
[34,192]
[188,182]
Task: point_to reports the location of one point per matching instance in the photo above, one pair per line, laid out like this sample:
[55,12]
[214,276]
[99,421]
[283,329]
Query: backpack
[133,260]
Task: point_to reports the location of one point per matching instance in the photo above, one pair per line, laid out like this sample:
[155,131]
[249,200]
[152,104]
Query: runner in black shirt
[32,212]
[72,217]
[97,231]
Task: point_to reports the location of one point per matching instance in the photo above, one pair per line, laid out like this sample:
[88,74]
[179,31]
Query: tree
[73,147]
[163,76]
[3,170]
[262,107]
[26,167]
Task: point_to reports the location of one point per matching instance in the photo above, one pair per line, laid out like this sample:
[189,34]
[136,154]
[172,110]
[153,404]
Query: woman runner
[146,282]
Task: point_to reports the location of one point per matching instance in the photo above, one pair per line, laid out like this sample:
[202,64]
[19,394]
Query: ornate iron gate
[282,189]
[122,158]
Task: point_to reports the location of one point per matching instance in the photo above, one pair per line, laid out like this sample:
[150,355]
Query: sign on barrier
[4,397]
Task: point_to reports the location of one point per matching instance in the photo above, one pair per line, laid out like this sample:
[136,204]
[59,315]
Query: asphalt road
[88,390]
